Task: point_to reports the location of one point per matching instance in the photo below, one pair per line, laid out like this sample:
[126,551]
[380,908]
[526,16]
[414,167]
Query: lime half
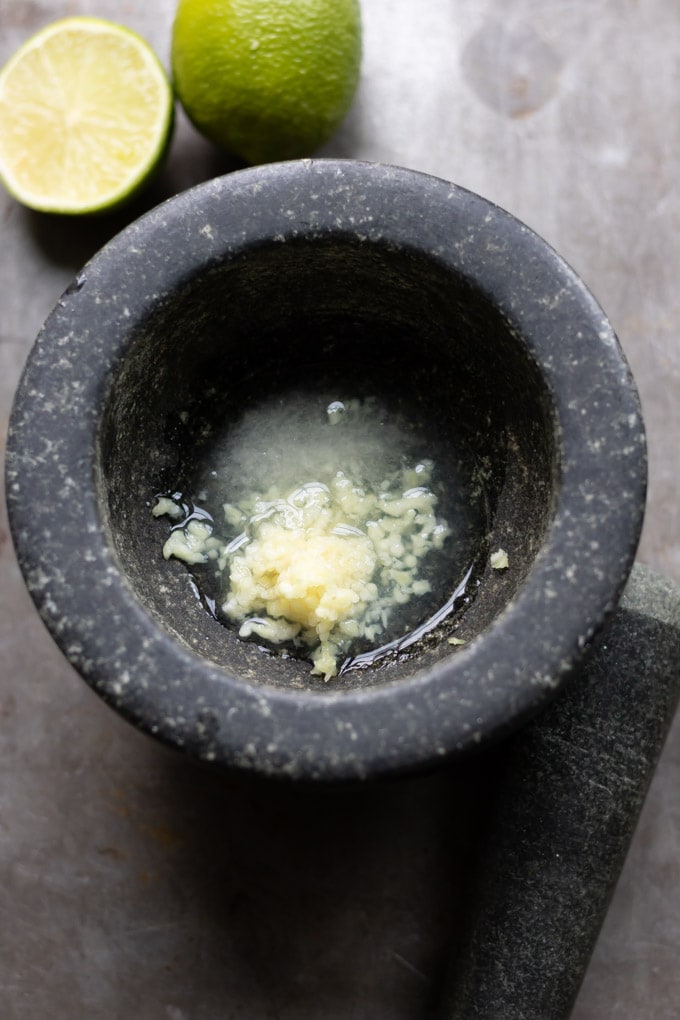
[86,114]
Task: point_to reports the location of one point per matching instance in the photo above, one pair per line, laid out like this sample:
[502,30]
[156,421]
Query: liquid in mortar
[334,529]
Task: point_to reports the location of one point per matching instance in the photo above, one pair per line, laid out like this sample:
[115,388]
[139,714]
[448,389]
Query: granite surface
[132,885]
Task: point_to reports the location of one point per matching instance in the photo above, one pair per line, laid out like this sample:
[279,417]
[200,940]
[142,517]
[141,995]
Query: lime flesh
[86,114]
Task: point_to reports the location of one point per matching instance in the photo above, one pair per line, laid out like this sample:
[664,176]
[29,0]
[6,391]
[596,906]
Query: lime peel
[266,80]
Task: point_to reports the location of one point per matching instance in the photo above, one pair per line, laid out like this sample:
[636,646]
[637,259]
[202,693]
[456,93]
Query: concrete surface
[119,863]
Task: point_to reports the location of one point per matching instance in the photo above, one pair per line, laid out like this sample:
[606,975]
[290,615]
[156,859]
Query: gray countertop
[131,882]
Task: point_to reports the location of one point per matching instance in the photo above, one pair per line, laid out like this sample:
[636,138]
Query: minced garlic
[499,560]
[323,565]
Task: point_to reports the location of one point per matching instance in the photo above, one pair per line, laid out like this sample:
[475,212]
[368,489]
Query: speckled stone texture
[404,278]
[573,783]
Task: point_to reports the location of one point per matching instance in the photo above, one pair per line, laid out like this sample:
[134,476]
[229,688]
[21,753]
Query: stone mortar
[372,278]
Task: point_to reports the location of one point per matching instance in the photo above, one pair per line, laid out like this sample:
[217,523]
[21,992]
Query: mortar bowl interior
[327,315]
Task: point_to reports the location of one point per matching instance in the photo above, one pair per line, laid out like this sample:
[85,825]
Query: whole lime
[266,79]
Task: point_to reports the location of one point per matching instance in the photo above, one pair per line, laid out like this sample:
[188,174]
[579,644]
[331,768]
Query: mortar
[374,279]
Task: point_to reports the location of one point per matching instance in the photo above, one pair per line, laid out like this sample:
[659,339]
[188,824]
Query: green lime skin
[266,80]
